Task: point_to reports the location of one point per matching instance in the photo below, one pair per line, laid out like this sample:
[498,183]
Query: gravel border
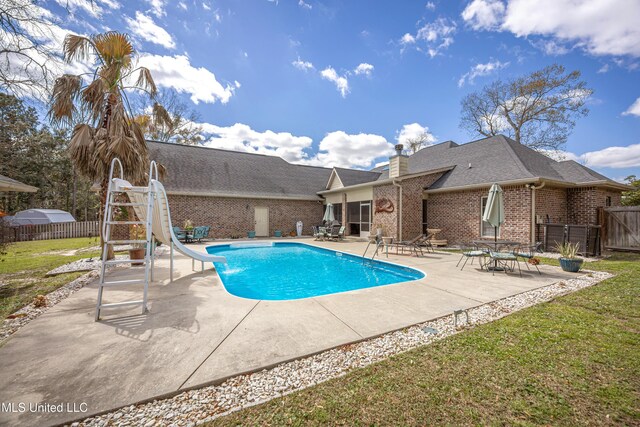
[205,404]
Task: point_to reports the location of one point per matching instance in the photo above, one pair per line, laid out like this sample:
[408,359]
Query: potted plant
[569,260]
[137,250]
[188,225]
[277,233]
[251,234]
[379,229]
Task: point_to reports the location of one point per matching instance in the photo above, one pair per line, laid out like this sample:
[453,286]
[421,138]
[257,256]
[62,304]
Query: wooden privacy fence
[588,236]
[63,230]
[620,227]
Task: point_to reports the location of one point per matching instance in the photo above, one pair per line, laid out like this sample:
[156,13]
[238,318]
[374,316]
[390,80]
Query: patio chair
[319,233]
[471,251]
[334,234]
[506,260]
[200,232]
[425,242]
[528,252]
[180,233]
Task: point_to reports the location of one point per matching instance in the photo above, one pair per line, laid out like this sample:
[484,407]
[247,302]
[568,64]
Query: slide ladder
[118,186]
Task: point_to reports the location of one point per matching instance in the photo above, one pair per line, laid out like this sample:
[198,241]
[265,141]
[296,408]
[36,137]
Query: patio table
[497,244]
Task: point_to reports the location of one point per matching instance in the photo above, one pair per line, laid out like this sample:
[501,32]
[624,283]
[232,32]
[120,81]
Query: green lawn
[572,361]
[23,269]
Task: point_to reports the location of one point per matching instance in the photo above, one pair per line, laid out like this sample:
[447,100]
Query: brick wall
[552,201]
[459,215]
[388,220]
[583,204]
[412,190]
[227,216]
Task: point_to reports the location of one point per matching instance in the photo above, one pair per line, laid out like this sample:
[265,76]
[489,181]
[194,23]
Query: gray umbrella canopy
[9,184]
[494,211]
[328,214]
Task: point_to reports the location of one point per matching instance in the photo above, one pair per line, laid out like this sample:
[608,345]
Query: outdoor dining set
[195,234]
[500,255]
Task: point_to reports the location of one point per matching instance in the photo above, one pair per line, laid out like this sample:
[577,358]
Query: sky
[338,83]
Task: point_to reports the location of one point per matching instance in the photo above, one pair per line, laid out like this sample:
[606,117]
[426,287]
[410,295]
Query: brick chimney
[399,163]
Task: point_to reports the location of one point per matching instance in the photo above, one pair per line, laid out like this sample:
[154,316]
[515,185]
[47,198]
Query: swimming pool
[286,271]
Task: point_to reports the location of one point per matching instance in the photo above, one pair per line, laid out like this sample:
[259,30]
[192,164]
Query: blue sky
[339,82]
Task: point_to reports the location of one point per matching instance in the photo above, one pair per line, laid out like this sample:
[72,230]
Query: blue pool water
[285,271]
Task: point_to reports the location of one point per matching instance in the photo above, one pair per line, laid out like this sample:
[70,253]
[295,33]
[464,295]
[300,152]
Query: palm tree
[98,107]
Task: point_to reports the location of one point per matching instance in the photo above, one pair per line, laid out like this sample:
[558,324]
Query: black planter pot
[571,265]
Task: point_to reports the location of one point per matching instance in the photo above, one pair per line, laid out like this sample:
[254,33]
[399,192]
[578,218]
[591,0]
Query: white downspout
[399,210]
[533,210]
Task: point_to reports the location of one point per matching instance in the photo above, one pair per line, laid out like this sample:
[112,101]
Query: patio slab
[197,333]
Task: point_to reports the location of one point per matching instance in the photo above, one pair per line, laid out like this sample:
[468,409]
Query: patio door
[262,221]
[365,219]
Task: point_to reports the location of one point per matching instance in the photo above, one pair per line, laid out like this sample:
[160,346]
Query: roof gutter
[386,181]
[533,180]
[394,182]
[244,196]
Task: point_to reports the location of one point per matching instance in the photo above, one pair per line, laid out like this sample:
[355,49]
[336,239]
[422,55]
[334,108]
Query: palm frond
[145,81]
[114,47]
[161,116]
[81,149]
[93,98]
[77,48]
[66,90]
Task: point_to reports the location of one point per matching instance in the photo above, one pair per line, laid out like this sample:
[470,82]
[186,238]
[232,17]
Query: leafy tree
[109,131]
[632,197]
[34,155]
[538,110]
[182,129]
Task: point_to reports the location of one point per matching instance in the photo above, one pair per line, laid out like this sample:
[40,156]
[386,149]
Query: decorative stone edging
[198,406]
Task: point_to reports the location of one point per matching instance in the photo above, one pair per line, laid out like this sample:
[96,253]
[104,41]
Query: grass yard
[23,269]
[574,360]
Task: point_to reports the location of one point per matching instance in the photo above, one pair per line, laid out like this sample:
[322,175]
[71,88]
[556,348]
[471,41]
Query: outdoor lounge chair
[527,252]
[412,245]
[200,232]
[319,233]
[471,251]
[180,233]
[425,242]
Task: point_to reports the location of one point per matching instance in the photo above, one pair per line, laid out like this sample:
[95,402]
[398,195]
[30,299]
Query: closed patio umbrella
[328,214]
[9,184]
[494,211]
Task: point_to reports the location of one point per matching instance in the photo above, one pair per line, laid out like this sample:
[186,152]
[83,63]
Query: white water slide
[161,221]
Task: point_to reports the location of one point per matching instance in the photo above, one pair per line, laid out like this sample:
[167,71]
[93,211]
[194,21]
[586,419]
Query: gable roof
[498,159]
[196,170]
[350,177]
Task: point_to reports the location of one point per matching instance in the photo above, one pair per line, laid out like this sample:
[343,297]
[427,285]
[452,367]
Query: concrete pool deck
[197,334]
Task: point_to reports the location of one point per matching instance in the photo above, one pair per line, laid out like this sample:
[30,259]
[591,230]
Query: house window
[424,216]
[608,202]
[486,229]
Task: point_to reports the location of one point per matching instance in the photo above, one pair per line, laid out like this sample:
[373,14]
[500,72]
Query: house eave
[534,180]
[244,195]
[386,181]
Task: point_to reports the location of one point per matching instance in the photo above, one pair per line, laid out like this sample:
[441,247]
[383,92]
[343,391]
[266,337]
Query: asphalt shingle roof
[354,176]
[195,169]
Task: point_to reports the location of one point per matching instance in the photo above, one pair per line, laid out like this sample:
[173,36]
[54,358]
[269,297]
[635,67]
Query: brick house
[443,186]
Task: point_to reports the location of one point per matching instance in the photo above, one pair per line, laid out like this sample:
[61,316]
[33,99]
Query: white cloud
[302,65]
[481,70]
[341,82]
[143,26]
[336,148]
[430,5]
[414,131]
[603,69]
[364,68]
[241,137]
[407,39]
[634,109]
[92,8]
[600,27]
[613,157]
[206,6]
[157,7]
[178,73]
[344,150]
[484,14]
[432,37]
[301,3]
[610,157]
[551,47]
[183,5]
